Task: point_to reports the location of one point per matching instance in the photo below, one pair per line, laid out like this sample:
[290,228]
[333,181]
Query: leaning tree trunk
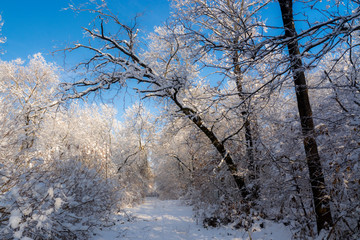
[219,146]
[320,198]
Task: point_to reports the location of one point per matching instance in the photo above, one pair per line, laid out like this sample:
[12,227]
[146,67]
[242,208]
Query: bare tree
[116,61]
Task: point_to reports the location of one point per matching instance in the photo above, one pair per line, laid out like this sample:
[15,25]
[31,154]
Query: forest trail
[170,220]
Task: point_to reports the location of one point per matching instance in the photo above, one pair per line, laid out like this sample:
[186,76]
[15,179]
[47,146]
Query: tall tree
[320,196]
[117,61]
[225,28]
[31,88]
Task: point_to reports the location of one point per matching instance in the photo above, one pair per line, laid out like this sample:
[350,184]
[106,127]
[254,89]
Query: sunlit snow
[172,220]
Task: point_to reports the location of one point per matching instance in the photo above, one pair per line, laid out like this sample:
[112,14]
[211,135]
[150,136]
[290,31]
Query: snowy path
[170,220]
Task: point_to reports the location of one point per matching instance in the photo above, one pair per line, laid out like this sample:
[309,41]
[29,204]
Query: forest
[246,110]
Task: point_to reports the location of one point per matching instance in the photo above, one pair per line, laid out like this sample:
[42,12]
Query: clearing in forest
[171,220]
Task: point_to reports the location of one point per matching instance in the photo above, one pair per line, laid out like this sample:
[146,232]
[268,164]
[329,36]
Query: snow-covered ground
[171,220]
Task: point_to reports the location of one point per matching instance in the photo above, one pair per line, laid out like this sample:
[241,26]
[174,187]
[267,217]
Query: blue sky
[32,26]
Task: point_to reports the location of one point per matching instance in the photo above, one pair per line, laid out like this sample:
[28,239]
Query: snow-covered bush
[53,184]
[60,200]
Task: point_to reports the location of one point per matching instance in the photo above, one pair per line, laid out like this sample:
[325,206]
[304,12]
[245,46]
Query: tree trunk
[245,116]
[245,113]
[321,201]
[239,180]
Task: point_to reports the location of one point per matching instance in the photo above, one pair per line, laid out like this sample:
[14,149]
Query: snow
[26,238]
[58,203]
[171,220]
[51,192]
[15,218]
